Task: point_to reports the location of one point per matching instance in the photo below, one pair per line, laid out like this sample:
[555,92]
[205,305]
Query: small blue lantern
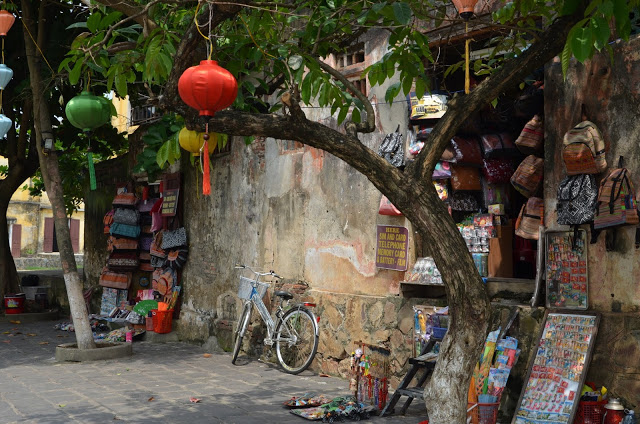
[5,125]
[6,74]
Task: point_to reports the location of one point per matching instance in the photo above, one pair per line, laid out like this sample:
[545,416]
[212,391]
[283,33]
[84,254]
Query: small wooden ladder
[417,391]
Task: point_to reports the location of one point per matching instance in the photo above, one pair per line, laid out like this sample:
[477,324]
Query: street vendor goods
[584,150]
[616,201]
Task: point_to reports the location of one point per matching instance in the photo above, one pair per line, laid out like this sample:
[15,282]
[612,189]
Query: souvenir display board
[558,369]
[566,276]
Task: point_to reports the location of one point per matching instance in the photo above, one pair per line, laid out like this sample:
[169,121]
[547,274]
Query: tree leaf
[402,13]
[601,32]
[392,92]
[162,156]
[121,85]
[582,43]
[94,21]
[623,23]
[84,25]
[344,110]
[569,6]
[74,75]
[565,57]
[355,115]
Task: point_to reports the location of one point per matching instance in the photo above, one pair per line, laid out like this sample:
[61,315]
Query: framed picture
[557,369]
[566,269]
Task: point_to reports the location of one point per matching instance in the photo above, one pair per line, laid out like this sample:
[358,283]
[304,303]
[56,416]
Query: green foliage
[161,146]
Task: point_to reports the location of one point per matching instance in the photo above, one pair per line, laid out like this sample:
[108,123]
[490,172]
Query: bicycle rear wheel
[296,340]
[240,331]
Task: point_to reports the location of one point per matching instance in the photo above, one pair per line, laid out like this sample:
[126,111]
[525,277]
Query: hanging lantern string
[34,41]
[209,42]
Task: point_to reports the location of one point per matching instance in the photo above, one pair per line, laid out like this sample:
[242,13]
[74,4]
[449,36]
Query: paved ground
[153,386]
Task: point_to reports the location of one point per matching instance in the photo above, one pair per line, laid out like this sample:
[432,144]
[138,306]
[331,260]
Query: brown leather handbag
[465,178]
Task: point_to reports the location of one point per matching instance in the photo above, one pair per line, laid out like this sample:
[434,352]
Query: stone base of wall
[43,261]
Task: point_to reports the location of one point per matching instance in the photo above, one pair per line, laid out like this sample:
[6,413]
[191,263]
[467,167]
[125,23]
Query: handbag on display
[583,150]
[530,219]
[177,258]
[498,171]
[123,261]
[465,178]
[174,238]
[108,220]
[616,201]
[156,216]
[495,194]
[163,280]
[392,148]
[441,189]
[577,199]
[146,205]
[467,150]
[156,249]
[498,146]
[531,138]
[114,280]
[528,176]
[115,243]
[145,243]
[125,200]
[387,208]
[442,171]
[464,202]
[126,216]
[124,230]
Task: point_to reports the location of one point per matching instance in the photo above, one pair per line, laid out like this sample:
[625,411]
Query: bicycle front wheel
[296,340]
[240,330]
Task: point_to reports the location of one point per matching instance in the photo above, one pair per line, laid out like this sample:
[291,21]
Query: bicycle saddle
[283,294]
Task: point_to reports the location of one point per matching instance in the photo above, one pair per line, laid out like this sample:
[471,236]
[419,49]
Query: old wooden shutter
[16,240]
[47,246]
[74,229]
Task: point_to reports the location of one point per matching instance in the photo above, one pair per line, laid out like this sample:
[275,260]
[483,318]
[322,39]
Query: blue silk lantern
[5,125]
[6,74]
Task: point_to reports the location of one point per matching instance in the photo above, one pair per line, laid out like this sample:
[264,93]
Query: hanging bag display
[174,238]
[177,258]
[577,199]
[528,176]
[583,150]
[156,216]
[465,178]
[530,219]
[114,280]
[387,208]
[107,221]
[392,148]
[126,216]
[442,171]
[498,171]
[124,230]
[463,202]
[115,243]
[125,200]
[616,201]
[156,246]
[498,146]
[123,261]
[531,138]
[467,151]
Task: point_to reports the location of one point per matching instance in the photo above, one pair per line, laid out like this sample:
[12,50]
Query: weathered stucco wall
[610,92]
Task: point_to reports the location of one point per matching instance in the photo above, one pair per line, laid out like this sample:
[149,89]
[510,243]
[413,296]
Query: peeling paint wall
[280,205]
[610,92]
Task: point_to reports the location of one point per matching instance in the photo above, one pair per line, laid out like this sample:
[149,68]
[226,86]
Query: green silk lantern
[87,112]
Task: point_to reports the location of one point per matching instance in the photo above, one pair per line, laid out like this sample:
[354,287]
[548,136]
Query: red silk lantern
[465,8]
[207,87]
[6,21]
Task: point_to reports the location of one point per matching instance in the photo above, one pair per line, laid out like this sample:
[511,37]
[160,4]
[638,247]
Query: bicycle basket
[244,288]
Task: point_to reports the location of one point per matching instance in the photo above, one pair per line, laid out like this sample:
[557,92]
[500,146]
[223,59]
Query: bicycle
[294,331]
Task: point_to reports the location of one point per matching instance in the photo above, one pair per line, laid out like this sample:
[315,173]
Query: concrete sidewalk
[153,386]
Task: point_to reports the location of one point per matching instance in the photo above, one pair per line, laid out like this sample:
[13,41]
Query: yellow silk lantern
[192,141]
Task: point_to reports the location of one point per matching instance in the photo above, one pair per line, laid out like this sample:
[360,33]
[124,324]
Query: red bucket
[162,320]
[14,303]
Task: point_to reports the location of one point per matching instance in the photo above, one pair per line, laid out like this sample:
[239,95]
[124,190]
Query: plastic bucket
[162,320]
[14,303]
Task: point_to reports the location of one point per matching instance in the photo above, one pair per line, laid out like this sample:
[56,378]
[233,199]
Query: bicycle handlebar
[262,274]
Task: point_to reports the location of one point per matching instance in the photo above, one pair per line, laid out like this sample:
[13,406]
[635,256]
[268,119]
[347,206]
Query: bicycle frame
[270,323]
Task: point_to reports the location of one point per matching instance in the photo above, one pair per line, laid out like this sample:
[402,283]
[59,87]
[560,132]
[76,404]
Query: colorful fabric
[584,150]
[498,146]
[528,176]
[442,171]
[125,199]
[126,216]
[498,171]
[531,137]
[616,201]
[123,261]
[115,243]
[124,230]
[577,199]
[530,219]
[114,280]
[387,208]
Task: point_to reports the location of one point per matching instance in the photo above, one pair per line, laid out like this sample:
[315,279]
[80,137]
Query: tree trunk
[8,274]
[53,184]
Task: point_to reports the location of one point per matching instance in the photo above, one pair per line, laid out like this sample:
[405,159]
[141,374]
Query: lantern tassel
[467,79]
[206,181]
[92,171]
